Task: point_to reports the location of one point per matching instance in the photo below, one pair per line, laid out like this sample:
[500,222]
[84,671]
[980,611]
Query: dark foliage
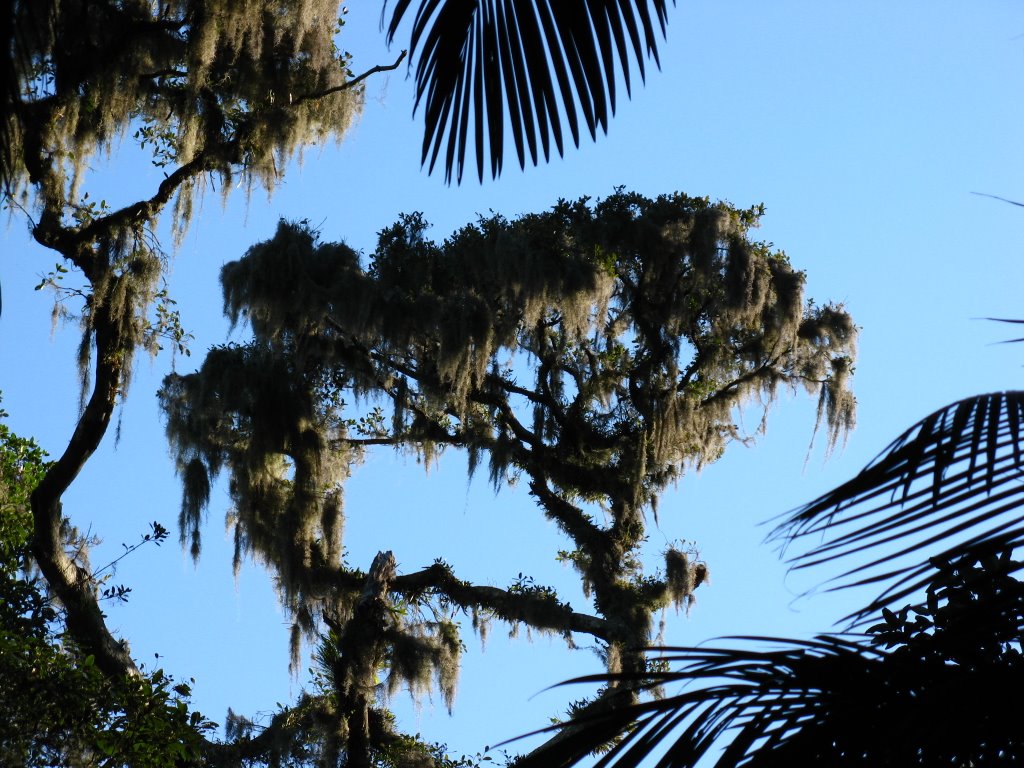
[917,689]
[949,485]
[58,708]
[546,62]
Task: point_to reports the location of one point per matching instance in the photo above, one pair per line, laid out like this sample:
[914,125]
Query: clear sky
[863,127]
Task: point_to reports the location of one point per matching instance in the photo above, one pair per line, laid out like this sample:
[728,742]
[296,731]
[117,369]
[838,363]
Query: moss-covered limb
[144,211]
[495,382]
[539,609]
[573,521]
[360,654]
[607,566]
[493,398]
[292,733]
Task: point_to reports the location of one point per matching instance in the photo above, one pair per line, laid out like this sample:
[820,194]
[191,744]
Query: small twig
[9,200]
[157,536]
[353,82]
[997,197]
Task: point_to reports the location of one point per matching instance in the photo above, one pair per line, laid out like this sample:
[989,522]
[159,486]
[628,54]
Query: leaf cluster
[59,709]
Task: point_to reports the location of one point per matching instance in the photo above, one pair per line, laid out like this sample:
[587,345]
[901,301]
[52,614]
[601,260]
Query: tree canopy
[592,352]
[938,512]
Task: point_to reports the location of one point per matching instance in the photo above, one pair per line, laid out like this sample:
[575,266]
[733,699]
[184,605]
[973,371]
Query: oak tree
[592,352]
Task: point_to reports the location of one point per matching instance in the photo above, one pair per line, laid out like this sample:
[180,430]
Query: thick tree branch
[145,210]
[539,611]
[508,417]
[73,586]
[570,518]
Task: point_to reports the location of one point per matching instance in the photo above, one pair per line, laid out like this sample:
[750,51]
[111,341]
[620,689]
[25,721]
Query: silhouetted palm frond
[754,695]
[546,61]
[951,484]
[834,700]
[934,684]
[1014,321]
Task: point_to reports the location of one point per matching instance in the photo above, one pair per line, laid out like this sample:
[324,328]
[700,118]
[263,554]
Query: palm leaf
[754,701]
[548,61]
[951,484]
[915,689]
[1007,319]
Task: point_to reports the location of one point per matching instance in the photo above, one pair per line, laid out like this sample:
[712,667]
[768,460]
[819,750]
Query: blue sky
[864,129]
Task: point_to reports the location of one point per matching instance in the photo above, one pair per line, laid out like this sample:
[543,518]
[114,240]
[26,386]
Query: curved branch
[71,584]
[540,611]
[351,83]
[569,518]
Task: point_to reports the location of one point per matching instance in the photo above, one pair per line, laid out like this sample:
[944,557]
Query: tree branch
[72,585]
[144,210]
[540,611]
[569,517]
[350,83]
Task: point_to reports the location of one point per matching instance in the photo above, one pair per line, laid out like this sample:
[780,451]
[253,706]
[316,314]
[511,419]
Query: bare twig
[997,197]
[353,82]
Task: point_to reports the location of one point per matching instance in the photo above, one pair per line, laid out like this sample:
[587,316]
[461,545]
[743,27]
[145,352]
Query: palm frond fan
[952,484]
[548,62]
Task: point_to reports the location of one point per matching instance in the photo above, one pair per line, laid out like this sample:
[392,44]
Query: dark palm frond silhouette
[917,689]
[951,484]
[548,62]
[766,691]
